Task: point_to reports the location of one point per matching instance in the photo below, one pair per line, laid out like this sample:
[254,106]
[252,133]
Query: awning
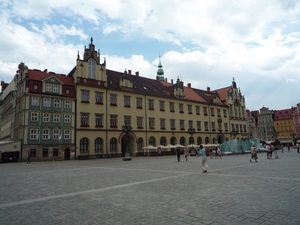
[286,141]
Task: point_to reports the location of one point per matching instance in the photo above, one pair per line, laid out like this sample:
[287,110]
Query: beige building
[124,112]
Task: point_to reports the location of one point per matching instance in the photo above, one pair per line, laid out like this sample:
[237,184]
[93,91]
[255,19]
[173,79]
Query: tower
[160,71]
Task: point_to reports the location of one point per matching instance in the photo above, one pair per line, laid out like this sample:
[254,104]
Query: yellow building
[119,112]
[284,126]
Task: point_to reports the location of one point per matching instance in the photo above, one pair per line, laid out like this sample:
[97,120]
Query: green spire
[160,71]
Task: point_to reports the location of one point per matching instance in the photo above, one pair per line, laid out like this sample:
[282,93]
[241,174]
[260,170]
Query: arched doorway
[67,154]
[126,144]
[220,139]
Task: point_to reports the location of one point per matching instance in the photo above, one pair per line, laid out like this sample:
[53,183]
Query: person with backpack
[202,153]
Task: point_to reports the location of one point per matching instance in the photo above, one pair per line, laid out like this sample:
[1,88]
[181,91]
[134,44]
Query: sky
[207,43]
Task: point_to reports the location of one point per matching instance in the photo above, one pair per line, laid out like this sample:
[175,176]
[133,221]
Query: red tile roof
[283,114]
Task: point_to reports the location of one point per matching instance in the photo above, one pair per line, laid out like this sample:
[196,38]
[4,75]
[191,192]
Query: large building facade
[95,112]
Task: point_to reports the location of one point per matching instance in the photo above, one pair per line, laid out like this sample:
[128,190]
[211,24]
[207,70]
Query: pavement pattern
[150,190]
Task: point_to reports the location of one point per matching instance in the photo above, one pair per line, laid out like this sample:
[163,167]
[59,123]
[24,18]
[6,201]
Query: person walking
[297,146]
[28,157]
[289,150]
[186,153]
[219,152]
[178,152]
[202,153]
[253,154]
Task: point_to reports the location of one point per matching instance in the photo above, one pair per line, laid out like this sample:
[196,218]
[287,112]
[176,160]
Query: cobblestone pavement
[150,190]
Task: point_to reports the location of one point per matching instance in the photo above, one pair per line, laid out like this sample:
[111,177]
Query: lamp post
[191,131]
[126,129]
[234,132]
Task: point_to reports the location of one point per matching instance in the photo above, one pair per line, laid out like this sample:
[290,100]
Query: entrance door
[126,144]
[67,154]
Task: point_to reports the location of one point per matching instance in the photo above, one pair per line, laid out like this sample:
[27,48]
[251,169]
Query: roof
[283,114]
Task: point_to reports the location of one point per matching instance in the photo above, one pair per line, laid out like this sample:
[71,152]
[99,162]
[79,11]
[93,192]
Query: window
[152,141]
[67,91]
[190,111]
[98,144]
[55,88]
[67,104]
[151,123]
[172,108]
[55,152]
[34,101]
[45,152]
[56,118]
[198,110]
[84,119]
[139,103]
[67,118]
[182,141]
[113,99]
[162,123]
[206,125]
[126,101]
[91,69]
[84,144]
[162,105]
[190,123]
[181,122]
[113,121]
[99,97]
[34,117]
[163,141]
[224,113]
[57,103]
[33,134]
[219,112]
[180,107]
[127,120]
[212,111]
[35,86]
[33,153]
[139,121]
[84,96]
[46,117]
[48,87]
[205,111]
[226,126]
[46,134]
[113,144]
[198,125]
[213,126]
[47,102]
[67,134]
[172,124]
[151,104]
[139,143]
[99,120]
[56,134]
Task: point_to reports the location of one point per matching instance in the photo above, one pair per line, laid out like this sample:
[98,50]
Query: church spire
[160,71]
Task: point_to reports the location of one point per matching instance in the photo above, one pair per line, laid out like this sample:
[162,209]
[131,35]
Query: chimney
[208,89]
[189,85]
[171,81]
[166,80]
[129,72]
[45,70]
[137,73]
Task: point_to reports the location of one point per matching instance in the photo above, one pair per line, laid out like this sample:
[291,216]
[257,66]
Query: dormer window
[35,86]
[67,91]
[92,69]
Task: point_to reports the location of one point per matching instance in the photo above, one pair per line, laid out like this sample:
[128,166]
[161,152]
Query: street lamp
[234,132]
[126,129]
[191,131]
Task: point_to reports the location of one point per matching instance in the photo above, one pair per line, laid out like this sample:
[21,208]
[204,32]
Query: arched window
[92,69]
[84,145]
[173,141]
[163,141]
[152,141]
[113,144]
[139,143]
[199,141]
[182,141]
[207,140]
[98,144]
